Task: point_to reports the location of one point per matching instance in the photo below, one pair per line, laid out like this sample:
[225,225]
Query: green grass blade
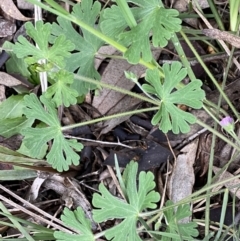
[16,223]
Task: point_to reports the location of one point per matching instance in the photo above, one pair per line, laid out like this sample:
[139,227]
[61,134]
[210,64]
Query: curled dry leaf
[34,190]
[10,9]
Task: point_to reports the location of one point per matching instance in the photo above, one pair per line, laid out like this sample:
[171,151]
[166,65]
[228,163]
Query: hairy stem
[64,128]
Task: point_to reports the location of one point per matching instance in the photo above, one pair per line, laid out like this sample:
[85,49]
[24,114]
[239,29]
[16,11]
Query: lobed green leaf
[153,20]
[60,92]
[41,34]
[86,46]
[175,222]
[62,153]
[109,207]
[169,116]
[75,220]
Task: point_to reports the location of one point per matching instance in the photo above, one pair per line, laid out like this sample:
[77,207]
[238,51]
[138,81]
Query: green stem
[234,136]
[234,7]
[98,34]
[191,198]
[211,114]
[211,158]
[193,15]
[99,235]
[127,13]
[214,106]
[218,134]
[118,89]
[93,31]
[192,77]
[64,128]
[209,180]
[182,56]
[147,228]
[16,224]
[216,14]
[223,214]
[210,75]
[57,7]
[63,13]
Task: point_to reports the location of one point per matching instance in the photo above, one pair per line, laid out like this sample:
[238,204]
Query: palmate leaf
[77,221]
[86,46]
[162,22]
[175,226]
[62,153]
[61,92]
[109,207]
[169,117]
[152,17]
[41,34]
[112,21]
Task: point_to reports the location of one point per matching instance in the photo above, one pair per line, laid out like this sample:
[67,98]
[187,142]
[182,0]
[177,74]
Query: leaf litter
[110,102]
[10,9]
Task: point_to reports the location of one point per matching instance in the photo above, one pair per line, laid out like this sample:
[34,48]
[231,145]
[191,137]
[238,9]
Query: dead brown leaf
[8,80]
[10,9]
[183,178]
[112,102]
[128,103]
[233,185]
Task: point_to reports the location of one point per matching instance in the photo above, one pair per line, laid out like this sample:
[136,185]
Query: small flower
[227,121]
[228,124]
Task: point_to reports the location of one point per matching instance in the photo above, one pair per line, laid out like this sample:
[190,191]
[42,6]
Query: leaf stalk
[65,128]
